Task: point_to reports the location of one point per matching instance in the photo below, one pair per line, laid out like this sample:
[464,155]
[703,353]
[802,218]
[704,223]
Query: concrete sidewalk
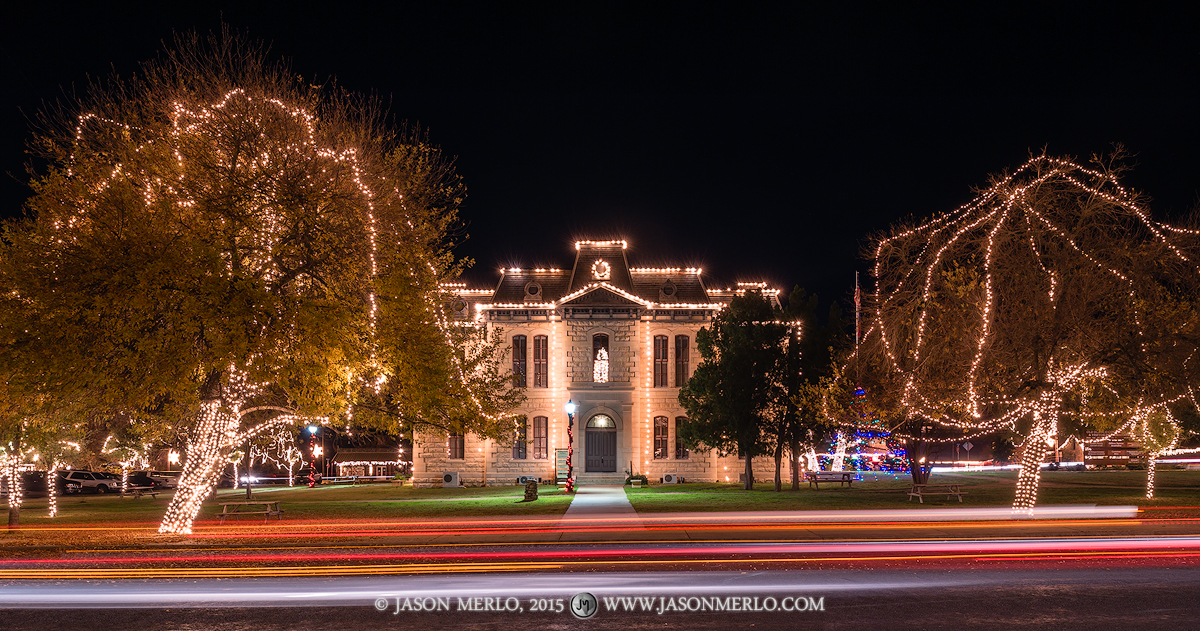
[594,502]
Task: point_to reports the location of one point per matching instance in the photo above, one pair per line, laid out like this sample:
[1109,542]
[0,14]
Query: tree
[1030,303]
[813,353]
[224,247]
[735,391]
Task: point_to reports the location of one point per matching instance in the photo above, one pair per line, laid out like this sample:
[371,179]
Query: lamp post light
[312,446]
[570,409]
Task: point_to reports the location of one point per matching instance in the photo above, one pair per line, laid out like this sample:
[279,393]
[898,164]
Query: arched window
[681,452]
[541,361]
[660,438]
[681,360]
[601,421]
[600,359]
[518,354]
[660,361]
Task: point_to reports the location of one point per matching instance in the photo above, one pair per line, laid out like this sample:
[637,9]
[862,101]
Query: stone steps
[600,479]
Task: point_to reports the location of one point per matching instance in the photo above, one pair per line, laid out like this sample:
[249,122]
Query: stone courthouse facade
[618,341]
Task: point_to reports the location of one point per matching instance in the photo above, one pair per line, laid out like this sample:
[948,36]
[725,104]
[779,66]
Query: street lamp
[570,409]
[312,445]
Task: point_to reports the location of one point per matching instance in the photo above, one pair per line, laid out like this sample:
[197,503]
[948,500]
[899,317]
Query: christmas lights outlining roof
[602,266]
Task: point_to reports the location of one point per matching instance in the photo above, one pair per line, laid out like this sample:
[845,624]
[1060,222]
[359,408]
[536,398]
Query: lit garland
[600,367]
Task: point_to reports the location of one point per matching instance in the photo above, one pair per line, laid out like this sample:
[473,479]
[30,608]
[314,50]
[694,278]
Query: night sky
[755,142]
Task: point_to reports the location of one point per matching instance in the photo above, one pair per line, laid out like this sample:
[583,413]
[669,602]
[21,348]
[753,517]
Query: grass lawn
[384,502]
[882,491]
[111,517]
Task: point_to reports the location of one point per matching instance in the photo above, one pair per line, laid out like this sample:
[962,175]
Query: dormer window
[667,292]
[533,291]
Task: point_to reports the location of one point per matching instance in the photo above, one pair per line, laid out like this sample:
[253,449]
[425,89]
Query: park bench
[815,478]
[237,509]
[138,491]
[920,490]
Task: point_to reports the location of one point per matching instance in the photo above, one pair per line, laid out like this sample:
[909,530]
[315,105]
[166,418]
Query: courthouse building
[618,342]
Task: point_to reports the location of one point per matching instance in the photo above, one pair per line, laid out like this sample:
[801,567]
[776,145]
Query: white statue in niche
[600,367]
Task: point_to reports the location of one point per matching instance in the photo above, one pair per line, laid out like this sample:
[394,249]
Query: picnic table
[920,490]
[237,509]
[138,491]
[815,478]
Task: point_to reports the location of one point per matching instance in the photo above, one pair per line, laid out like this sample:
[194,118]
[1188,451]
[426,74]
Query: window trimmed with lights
[518,357]
[541,433]
[660,438]
[681,451]
[681,360]
[660,361]
[456,447]
[518,448]
[541,361]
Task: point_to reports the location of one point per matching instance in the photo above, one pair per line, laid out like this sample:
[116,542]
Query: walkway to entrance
[601,502]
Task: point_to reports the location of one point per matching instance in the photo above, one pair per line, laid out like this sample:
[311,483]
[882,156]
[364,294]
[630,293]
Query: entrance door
[601,445]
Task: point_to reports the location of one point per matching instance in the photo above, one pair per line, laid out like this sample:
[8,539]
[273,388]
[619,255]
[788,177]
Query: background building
[618,341]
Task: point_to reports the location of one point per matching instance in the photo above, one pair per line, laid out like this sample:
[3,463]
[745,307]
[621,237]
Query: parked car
[33,484]
[139,478]
[93,481]
[165,479]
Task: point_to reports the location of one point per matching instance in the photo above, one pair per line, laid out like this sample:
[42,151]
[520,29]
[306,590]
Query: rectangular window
[660,361]
[681,452]
[518,352]
[541,363]
[519,441]
[660,438]
[681,360]
[540,434]
[455,447]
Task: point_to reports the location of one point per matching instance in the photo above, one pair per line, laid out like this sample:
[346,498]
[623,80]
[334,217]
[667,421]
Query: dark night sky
[755,142]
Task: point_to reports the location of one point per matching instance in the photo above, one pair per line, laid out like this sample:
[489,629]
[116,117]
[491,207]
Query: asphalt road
[1147,597]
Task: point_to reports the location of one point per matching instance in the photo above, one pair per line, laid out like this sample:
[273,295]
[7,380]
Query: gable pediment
[602,295]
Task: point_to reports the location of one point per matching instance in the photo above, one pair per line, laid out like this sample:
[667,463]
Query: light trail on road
[300,591]
[513,557]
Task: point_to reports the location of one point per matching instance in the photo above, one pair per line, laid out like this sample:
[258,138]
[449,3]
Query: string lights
[600,367]
[194,133]
[964,300]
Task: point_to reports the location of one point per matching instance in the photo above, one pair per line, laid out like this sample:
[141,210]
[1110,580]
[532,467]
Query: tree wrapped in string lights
[224,247]
[1052,293]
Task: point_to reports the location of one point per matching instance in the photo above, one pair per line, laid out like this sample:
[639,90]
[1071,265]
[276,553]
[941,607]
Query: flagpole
[857,326]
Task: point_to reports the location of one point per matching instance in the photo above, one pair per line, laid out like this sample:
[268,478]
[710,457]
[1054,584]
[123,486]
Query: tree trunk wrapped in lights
[12,474]
[1052,294]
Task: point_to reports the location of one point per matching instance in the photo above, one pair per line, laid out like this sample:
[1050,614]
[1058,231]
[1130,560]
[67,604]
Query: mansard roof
[601,275]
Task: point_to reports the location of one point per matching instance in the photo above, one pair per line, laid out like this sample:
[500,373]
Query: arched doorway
[601,445]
